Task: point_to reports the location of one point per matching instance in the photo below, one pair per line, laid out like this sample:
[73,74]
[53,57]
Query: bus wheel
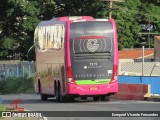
[42,96]
[62,99]
[97,98]
[71,99]
[57,95]
[105,98]
[84,98]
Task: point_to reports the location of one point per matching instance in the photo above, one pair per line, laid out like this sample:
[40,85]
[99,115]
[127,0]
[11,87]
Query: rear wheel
[84,98]
[105,98]
[57,95]
[62,99]
[42,96]
[102,98]
[71,99]
[97,98]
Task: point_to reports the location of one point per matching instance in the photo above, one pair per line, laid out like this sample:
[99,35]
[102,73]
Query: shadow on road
[38,101]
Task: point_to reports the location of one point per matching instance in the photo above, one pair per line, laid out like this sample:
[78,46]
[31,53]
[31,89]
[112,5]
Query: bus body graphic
[76,56]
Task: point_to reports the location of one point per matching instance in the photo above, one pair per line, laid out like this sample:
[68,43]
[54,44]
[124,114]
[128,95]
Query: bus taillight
[115,74]
[70,76]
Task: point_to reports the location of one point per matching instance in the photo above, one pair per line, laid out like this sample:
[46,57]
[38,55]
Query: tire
[42,96]
[57,94]
[98,98]
[71,99]
[105,98]
[63,99]
[59,97]
[84,98]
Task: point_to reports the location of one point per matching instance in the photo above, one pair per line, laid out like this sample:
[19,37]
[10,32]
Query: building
[130,62]
[135,55]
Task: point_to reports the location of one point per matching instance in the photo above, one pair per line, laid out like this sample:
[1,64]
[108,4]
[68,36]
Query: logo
[14,106]
[92,45]
[13,110]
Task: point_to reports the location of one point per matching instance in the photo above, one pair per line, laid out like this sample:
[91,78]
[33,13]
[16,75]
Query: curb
[153,98]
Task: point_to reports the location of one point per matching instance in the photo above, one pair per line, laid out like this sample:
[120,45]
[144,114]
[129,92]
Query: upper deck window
[49,36]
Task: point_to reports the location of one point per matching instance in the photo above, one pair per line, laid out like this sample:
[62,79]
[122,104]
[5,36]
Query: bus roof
[62,20]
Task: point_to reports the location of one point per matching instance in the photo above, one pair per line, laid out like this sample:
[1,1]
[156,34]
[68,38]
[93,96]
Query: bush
[13,85]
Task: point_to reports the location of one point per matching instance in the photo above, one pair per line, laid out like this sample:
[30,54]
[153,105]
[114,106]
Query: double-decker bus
[76,57]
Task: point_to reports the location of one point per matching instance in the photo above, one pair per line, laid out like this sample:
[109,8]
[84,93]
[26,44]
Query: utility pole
[110,6]
[143,60]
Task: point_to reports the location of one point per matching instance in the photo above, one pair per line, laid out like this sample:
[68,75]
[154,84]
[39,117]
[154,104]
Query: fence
[17,70]
[135,68]
[154,81]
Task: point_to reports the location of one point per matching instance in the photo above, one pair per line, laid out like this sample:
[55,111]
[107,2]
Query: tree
[138,13]
[127,24]
[17,24]
[150,18]
[81,8]
[19,18]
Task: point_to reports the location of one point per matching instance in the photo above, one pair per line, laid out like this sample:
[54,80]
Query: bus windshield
[91,46]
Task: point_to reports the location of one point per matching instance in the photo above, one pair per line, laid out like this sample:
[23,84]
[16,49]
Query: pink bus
[76,57]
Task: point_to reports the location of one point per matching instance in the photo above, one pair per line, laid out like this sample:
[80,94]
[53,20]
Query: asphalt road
[32,102]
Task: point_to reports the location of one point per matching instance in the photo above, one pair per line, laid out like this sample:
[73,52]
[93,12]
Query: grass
[13,85]
[2,108]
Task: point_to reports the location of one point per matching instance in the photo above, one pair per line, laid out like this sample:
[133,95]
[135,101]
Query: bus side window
[48,37]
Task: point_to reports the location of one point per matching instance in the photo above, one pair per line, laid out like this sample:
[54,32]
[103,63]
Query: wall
[18,69]
[153,81]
